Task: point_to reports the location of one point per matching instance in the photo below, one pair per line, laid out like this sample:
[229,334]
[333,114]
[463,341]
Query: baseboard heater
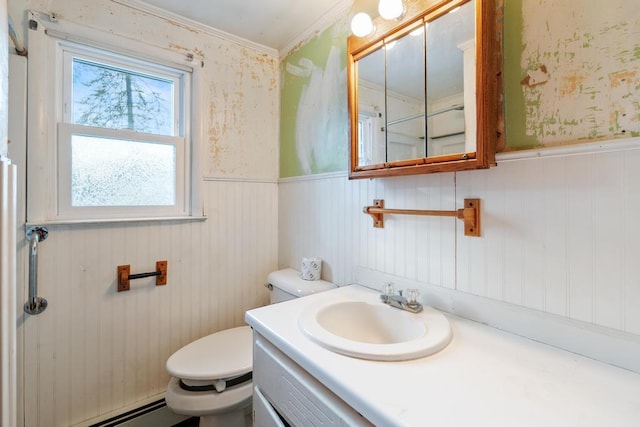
[131,415]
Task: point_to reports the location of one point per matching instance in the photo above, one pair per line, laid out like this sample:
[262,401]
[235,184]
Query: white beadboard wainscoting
[95,352]
[558,233]
[559,236]
[322,216]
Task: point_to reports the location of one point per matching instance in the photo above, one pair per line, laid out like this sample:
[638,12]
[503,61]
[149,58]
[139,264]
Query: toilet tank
[286,284]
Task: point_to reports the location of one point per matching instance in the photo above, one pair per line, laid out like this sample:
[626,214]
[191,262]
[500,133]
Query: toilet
[211,377]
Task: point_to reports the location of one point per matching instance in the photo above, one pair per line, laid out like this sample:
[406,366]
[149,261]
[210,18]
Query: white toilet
[211,377]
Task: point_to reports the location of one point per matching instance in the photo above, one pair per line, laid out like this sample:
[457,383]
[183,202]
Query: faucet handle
[388,288]
[412,297]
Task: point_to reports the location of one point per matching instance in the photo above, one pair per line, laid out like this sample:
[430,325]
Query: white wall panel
[559,236]
[554,216]
[558,233]
[322,216]
[580,244]
[94,350]
[630,290]
[608,237]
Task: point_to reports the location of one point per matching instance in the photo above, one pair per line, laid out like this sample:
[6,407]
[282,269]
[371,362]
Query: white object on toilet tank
[311,268]
[287,284]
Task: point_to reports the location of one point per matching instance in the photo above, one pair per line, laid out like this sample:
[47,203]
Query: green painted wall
[314,126]
[515,115]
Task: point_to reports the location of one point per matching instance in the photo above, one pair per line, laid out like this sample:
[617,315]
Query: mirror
[405,96]
[422,95]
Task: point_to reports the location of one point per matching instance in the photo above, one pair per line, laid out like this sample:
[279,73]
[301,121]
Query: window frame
[47,156]
[181,80]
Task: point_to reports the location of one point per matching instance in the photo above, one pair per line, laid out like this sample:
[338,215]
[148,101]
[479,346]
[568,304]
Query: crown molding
[337,11]
[147,8]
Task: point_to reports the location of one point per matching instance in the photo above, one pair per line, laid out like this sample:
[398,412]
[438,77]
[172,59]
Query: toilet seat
[223,356]
[217,385]
[200,404]
[225,361]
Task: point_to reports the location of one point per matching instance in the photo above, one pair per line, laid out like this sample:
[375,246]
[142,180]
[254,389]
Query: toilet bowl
[211,377]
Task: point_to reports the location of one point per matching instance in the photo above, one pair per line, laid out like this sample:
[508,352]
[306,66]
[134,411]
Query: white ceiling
[272,23]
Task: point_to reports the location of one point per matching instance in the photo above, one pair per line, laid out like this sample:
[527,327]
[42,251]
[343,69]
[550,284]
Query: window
[122,138]
[109,129]
[364,139]
[371,144]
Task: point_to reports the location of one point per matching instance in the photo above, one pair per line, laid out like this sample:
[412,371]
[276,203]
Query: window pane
[111,172]
[116,98]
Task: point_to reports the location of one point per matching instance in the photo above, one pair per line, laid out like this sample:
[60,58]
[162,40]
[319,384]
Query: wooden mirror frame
[487,100]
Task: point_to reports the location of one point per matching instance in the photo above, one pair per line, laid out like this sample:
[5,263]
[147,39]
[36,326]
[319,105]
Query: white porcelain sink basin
[376,331]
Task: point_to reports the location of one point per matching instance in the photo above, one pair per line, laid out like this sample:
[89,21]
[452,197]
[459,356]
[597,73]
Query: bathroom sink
[375,331]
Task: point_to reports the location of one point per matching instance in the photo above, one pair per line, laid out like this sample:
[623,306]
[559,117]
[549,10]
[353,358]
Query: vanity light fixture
[362,24]
[391,9]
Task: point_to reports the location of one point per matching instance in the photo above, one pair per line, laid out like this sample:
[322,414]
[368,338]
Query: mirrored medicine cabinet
[423,93]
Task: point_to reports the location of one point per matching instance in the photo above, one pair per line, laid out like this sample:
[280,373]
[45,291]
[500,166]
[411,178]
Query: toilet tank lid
[225,354]
[289,280]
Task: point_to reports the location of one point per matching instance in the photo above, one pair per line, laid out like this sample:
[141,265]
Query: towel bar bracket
[470,214]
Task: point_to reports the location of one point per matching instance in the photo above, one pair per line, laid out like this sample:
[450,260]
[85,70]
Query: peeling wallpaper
[240,94]
[571,73]
[242,113]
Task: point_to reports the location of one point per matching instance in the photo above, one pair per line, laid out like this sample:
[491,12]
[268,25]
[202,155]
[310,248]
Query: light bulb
[391,9]
[362,25]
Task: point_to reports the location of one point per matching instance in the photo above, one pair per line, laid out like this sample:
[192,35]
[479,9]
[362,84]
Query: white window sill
[117,220]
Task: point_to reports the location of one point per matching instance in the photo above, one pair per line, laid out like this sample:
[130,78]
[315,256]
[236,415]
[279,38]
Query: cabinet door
[295,394]
[263,413]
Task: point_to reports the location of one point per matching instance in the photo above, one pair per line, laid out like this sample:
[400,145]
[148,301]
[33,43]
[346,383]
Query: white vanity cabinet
[286,395]
[484,377]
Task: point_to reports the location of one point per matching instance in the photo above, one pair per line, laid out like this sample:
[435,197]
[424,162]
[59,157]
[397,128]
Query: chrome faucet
[410,303]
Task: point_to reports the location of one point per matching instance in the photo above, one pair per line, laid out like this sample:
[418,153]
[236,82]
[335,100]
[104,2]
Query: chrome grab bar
[35,304]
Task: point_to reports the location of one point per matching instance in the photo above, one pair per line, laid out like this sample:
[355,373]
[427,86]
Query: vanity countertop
[484,377]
